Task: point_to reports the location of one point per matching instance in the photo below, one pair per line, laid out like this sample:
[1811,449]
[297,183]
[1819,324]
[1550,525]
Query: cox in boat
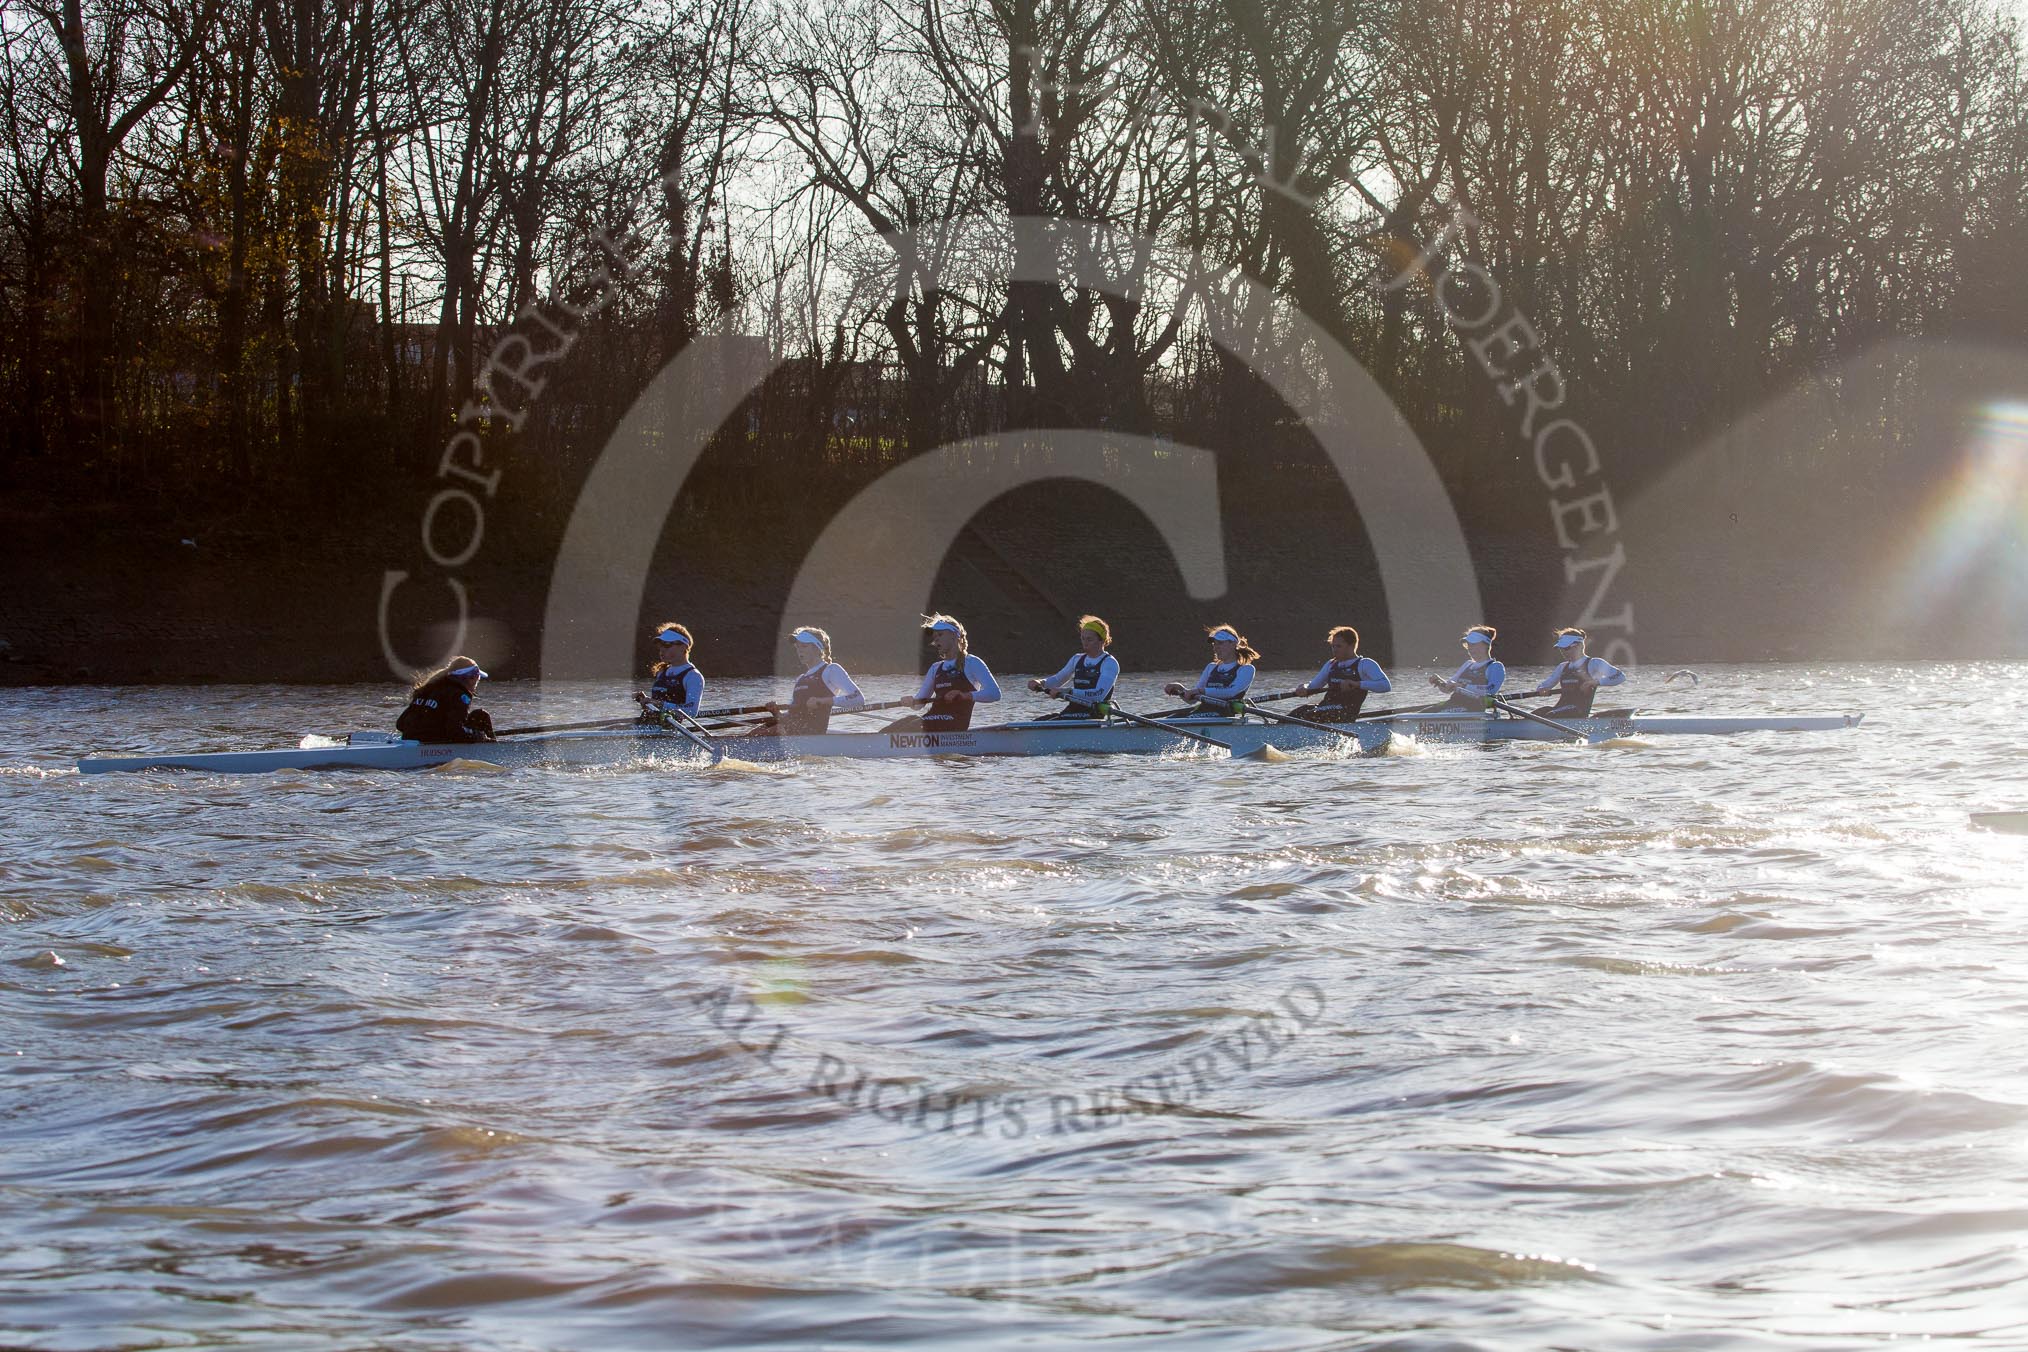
[440,706]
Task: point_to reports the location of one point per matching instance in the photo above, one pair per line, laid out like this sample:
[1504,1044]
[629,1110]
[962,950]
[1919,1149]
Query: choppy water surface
[1703,1043]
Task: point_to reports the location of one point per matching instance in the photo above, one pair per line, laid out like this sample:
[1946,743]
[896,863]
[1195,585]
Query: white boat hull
[1244,737]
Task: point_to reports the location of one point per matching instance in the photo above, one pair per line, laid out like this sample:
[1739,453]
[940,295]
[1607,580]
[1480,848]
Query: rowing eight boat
[1246,735]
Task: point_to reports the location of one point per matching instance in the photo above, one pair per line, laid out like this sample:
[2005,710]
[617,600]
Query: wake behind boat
[1248,734]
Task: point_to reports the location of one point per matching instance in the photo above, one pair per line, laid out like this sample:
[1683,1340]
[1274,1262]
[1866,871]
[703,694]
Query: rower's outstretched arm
[1052,684]
[1194,692]
[1371,678]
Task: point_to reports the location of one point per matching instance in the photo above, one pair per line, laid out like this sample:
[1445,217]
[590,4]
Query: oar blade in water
[465,766]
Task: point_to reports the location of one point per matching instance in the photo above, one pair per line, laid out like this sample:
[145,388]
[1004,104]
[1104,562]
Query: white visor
[670,636]
[1477,638]
[1224,636]
[1569,641]
[943,627]
[807,636]
[466,670]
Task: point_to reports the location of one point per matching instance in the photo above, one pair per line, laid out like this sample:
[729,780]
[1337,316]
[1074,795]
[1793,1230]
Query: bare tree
[120,60]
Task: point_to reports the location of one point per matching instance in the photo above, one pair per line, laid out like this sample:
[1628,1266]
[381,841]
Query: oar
[1273,717]
[738,723]
[700,736]
[1396,713]
[1118,712]
[567,727]
[1254,704]
[1098,710]
[872,708]
[1252,700]
[770,715]
[1520,712]
[705,743]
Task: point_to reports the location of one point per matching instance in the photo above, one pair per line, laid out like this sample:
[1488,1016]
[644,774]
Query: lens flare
[1968,558]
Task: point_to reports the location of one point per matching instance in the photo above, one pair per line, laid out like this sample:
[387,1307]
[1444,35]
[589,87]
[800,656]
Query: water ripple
[1711,1044]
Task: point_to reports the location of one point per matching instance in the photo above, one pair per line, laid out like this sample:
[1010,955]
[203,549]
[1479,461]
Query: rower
[1577,677]
[440,706]
[1345,681]
[954,684]
[679,686]
[1221,688]
[1474,686]
[1086,681]
[823,689]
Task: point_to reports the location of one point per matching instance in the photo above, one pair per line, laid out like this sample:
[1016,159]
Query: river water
[1700,1043]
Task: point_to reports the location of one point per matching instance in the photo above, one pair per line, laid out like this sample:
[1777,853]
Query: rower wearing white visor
[1477,683]
[823,689]
[955,683]
[1577,677]
[1221,687]
[440,706]
[1344,681]
[679,686]
[1087,680]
